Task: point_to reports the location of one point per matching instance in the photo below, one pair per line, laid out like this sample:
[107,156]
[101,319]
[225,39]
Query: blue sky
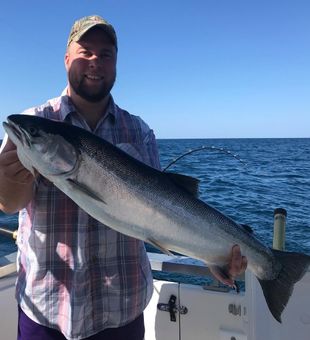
[190,69]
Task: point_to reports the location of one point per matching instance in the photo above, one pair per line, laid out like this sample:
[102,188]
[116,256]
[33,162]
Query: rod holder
[279,216]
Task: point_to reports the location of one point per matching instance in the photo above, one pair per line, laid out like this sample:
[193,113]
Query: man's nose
[95,60]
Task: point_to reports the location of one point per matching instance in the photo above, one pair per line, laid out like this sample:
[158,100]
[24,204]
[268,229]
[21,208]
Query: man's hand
[236,266]
[16,182]
[12,170]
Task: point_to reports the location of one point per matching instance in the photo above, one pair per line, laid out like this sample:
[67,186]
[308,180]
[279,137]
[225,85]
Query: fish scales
[173,204]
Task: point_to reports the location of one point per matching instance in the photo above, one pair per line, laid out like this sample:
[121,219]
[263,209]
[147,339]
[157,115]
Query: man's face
[91,65]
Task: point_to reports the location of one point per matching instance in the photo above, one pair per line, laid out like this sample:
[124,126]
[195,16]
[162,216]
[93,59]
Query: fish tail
[278,291]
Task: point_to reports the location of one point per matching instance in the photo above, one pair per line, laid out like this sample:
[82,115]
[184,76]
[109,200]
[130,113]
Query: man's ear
[66,60]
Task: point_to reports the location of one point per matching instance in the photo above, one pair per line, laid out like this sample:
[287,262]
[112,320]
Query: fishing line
[209,148]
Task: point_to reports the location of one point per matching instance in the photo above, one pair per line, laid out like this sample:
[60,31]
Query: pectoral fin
[85,190]
[155,244]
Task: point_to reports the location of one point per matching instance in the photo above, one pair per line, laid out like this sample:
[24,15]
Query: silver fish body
[147,204]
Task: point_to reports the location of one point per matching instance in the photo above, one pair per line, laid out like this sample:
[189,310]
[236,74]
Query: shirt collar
[67,108]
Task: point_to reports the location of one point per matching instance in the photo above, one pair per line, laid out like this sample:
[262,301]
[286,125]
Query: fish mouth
[16,133]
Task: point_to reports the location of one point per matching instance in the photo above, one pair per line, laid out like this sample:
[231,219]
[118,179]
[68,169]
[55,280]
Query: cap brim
[81,33]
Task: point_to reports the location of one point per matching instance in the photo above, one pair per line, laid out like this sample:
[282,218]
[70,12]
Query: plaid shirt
[74,273]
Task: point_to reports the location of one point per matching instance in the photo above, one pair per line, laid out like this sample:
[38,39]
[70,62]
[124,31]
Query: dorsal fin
[247,228]
[190,184]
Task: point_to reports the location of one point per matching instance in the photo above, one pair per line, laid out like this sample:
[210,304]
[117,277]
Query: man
[78,279]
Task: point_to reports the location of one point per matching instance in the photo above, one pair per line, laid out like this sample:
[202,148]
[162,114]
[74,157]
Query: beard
[80,87]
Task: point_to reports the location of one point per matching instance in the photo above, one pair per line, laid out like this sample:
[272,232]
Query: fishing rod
[8,232]
[204,147]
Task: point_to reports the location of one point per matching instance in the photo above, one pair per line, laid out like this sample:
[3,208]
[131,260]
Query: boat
[183,311]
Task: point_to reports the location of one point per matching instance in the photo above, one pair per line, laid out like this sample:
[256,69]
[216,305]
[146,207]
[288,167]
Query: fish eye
[32,130]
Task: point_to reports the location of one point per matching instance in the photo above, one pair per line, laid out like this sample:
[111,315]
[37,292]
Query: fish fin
[190,184]
[78,186]
[247,228]
[278,291]
[158,246]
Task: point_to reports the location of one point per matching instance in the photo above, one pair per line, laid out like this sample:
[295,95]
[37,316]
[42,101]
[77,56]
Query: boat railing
[8,265]
[184,265]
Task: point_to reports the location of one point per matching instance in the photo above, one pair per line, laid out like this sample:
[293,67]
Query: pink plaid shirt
[74,273]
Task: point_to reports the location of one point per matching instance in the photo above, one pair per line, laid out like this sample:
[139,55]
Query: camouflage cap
[83,25]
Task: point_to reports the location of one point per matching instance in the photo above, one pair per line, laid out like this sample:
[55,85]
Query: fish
[157,207]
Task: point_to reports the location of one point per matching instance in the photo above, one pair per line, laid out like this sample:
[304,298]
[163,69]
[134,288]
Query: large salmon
[147,204]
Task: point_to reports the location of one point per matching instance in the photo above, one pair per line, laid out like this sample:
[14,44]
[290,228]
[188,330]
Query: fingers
[236,266]
[221,276]
[244,264]
[9,145]
[8,157]
[23,177]
[238,263]
[12,169]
